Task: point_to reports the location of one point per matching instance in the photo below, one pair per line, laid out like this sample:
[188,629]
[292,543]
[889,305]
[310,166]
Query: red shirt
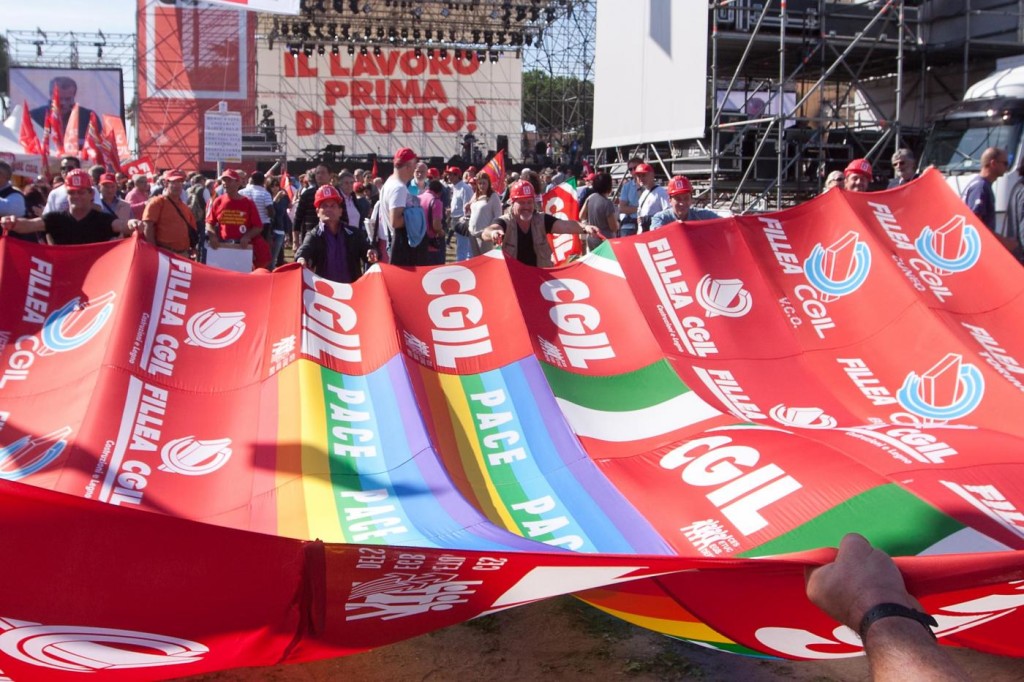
[233,217]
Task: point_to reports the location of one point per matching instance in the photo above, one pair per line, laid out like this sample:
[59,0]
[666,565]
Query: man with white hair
[905,167]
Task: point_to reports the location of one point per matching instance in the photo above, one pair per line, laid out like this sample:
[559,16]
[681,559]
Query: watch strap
[889,610]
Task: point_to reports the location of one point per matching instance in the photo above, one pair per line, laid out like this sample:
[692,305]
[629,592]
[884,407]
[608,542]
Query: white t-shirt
[653,201]
[261,197]
[394,194]
[462,194]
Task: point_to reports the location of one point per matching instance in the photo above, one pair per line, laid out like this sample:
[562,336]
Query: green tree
[557,104]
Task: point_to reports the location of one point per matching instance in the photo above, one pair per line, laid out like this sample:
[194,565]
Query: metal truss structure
[862,78]
[75,50]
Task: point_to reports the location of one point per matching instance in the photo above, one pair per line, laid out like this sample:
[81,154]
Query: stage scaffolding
[75,50]
[862,79]
[554,37]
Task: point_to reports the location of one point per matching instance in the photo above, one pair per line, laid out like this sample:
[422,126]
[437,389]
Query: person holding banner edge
[522,231]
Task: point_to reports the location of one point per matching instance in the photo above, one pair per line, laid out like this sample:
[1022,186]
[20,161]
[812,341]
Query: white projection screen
[650,71]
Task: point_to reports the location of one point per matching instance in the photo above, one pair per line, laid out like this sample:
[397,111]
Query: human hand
[860,577]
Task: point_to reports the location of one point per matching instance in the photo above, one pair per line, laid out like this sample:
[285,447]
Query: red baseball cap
[77,179]
[404,156]
[860,166]
[174,176]
[643,168]
[433,174]
[108,179]
[590,177]
[454,170]
[358,187]
[230,174]
[680,184]
[326,193]
[521,189]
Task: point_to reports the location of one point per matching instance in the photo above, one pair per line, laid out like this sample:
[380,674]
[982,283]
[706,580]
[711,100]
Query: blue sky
[88,16]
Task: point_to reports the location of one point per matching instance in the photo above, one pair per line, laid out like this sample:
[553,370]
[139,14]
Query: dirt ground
[563,639]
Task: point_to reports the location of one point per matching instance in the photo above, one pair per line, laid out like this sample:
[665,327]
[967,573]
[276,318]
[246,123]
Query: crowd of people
[338,224]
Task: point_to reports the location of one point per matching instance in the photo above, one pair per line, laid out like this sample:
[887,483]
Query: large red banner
[202,470]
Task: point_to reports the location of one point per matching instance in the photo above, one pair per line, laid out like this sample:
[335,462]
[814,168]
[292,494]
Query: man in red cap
[333,250]
[680,196]
[395,199]
[857,176]
[234,219]
[81,223]
[653,198]
[522,231]
[167,221]
[111,203]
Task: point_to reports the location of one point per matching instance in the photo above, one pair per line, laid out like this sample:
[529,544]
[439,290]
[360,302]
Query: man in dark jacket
[305,211]
[331,249]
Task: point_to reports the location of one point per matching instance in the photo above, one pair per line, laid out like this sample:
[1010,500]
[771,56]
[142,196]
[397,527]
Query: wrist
[895,619]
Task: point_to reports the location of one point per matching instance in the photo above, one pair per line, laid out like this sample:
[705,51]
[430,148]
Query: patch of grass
[665,665]
[487,624]
[595,622]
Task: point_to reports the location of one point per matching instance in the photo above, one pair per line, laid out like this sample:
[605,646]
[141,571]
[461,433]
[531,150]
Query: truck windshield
[955,146]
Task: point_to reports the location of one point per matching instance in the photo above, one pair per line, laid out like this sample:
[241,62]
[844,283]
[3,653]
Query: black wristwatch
[887,610]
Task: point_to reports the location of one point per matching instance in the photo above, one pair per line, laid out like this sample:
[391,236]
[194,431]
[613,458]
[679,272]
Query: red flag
[91,149]
[52,129]
[108,147]
[373,171]
[27,135]
[71,134]
[286,184]
[495,169]
[561,202]
[114,126]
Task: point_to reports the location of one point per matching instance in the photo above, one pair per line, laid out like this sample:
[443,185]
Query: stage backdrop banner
[371,103]
[202,469]
[191,56]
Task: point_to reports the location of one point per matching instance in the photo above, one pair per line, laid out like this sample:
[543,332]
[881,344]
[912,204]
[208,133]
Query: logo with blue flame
[70,327]
[839,269]
[950,389]
[954,247]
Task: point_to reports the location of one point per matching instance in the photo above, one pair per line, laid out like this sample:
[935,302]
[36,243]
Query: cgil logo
[190,456]
[74,324]
[327,320]
[725,297]
[457,331]
[950,389]
[713,462]
[79,649]
[69,327]
[802,417]
[28,455]
[210,329]
[717,297]
[954,247]
[578,323]
[839,269]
